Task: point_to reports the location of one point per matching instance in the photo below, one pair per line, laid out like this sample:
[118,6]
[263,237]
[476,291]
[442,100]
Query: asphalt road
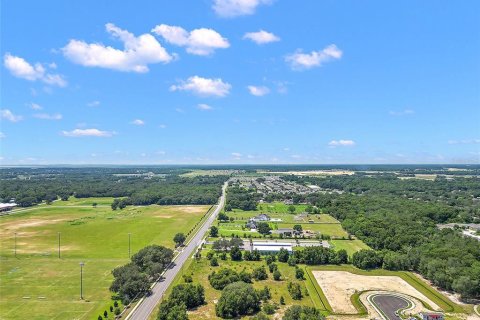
[147,306]
[389,304]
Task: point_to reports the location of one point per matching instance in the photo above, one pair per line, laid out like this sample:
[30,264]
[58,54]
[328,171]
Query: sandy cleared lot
[339,286]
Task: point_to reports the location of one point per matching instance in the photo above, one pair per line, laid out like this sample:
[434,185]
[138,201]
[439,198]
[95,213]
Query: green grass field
[72,201]
[38,285]
[351,246]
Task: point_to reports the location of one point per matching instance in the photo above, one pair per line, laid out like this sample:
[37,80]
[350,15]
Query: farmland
[38,280]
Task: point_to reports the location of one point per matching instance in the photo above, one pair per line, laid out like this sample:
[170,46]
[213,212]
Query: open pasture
[36,284]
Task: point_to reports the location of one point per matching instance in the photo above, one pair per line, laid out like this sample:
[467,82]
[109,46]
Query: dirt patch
[339,286]
[191,209]
[28,223]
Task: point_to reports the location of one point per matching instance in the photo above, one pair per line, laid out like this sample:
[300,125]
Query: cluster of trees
[241,198]
[226,245]
[454,198]
[316,255]
[405,236]
[137,186]
[134,278]
[183,297]
[222,278]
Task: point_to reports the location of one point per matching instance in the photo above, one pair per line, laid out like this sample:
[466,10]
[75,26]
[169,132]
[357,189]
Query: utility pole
[129,251]
[15,248]
[59,245]
[81,280]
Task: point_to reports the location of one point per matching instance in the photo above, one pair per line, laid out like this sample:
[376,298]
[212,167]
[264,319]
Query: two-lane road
[147,305]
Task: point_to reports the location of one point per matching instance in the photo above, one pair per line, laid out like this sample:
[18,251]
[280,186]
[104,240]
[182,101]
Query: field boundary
[430,292]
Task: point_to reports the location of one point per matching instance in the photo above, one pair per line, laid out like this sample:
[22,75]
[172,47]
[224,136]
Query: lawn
[199,270]
[323,223]
[38,285]
[351,246]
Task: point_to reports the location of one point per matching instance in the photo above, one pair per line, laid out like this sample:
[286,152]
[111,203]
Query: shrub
[269,308]
[295,290]
[277,275]
[222,278]
[299,273]
[214,262]
[236,254]
[260,273]
[272,267]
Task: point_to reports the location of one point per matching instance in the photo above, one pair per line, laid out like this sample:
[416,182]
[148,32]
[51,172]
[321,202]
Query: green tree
[192,295]
[298,228]
[277,275]
[213,231]
[260,273]
[295,290]
[179,239]
[296,312]
[263,228]
[291,208]
[236,254]
[222,278]
[172,310]
[299,273]
[237,299]
[283,255]
[153,259]
[214,262]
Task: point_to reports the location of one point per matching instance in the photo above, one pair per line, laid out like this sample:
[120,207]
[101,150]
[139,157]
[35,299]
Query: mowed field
[38,285]
[351,246]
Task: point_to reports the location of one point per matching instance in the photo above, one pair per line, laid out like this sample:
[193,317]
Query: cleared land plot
[38,285]
[339,286]
[351,246]
[199,270]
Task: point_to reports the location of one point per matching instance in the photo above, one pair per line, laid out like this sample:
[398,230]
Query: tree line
[139,188]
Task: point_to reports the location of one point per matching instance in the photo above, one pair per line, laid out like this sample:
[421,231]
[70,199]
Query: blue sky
[240,81]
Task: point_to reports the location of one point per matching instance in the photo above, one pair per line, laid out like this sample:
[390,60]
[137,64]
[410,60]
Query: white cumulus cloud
[405,112]
[203,86]
[46,116]
[35,106]
[87,133]
[302,61]
[138,122]
[236,154]
[21,68]
[258,90]
[201,41]
[464,141]
[8,115]
[94,103]
[137,54]
[235,8]
[341,143]
[2,135]
[261,37]
[204,107]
